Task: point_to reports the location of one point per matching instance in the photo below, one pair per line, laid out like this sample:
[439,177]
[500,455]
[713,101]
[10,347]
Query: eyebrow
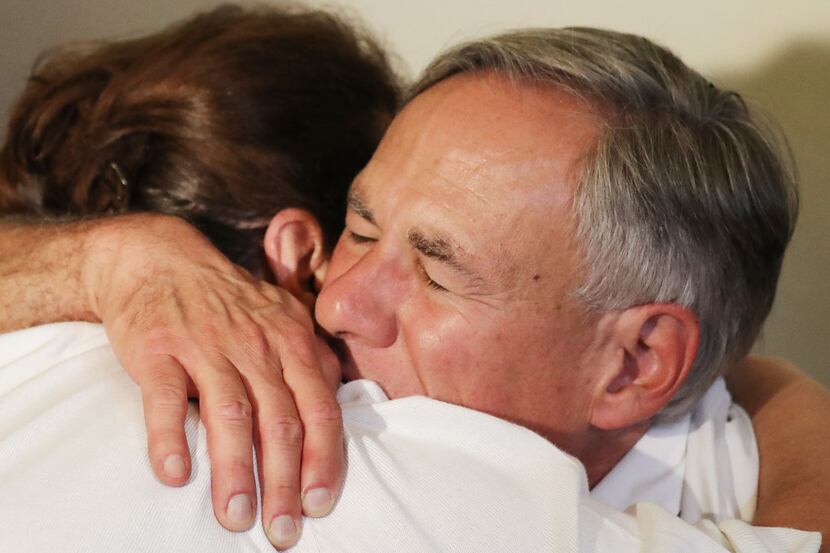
[440,249]
[357,204]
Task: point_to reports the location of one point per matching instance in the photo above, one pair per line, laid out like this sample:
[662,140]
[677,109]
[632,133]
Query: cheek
[454,358]
[500,366]
[438,349]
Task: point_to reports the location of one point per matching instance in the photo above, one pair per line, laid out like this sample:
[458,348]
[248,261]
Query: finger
[279,437]
[228,417]
[323,459]
[164,394]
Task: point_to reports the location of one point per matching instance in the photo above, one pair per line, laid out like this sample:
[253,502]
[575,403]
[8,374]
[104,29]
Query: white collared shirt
[422,475]
[703,465]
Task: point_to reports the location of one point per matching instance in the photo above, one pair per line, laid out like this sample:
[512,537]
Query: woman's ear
[295,249]
[650,354]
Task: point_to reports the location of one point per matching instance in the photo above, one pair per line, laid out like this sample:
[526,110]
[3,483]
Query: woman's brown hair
[222,119]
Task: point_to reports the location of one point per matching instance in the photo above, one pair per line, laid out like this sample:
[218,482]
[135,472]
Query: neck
[603,449]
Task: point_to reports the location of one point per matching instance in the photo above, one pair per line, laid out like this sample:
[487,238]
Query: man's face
[453,275]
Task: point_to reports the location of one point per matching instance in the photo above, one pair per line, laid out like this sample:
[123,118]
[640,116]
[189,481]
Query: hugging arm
[790,412]
[183,320]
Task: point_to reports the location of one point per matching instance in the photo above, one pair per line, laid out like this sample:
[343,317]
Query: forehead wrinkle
[472,168]
[480,172]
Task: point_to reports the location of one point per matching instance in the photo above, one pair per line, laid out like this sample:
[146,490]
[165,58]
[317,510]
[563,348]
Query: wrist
[116,246]
[42,265]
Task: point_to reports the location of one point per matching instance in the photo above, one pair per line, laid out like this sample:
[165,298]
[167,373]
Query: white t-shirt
[422,475]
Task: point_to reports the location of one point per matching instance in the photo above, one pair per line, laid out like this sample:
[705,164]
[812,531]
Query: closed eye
[431,283]
[359,238]
[434,285]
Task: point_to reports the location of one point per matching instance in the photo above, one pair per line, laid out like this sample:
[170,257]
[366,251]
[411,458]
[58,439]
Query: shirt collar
[652,470]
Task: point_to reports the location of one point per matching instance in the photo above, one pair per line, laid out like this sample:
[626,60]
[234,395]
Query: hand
[182,320]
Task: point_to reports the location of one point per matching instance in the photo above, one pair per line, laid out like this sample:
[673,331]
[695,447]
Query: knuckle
[159,340]
[304,321]
[236,468]
[293,324]
[324,413]
[285,430]
[255,339]
[209,332]
[307,355]
[304,354]
[161,440]
[235,411]
[166,395]
[252,338]
[286,490]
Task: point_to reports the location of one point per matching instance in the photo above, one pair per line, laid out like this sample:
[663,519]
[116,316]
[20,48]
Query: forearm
[789,412]
[42,272]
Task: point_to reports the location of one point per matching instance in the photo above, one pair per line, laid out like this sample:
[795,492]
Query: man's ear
[648,356]
[295,249]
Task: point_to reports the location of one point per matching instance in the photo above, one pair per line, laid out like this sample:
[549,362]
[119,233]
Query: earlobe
[295,249]
[650,355]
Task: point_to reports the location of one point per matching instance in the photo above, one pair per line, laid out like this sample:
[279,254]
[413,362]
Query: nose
[361,302]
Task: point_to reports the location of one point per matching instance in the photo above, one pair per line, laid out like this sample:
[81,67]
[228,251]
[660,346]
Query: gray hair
[686,198]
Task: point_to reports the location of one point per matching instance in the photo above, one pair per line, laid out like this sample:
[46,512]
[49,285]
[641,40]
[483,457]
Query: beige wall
[777,53]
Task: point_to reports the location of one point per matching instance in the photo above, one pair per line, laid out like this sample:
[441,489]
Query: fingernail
[317,502]
[240,510]
[283,530]
[174,466]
